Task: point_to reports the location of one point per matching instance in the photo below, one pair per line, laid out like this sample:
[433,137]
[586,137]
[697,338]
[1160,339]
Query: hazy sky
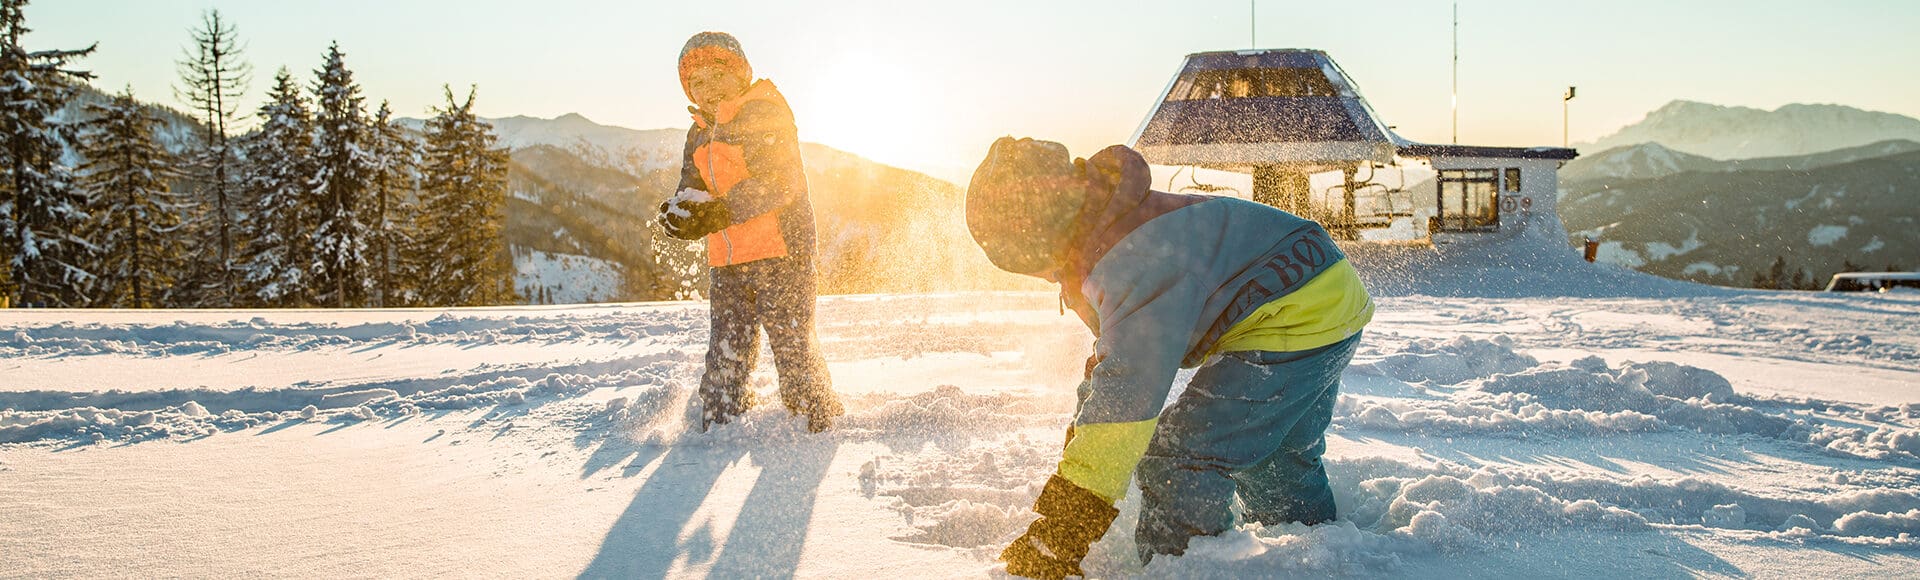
[927,85]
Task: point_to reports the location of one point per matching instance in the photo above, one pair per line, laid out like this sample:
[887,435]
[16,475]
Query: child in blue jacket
[1260,300]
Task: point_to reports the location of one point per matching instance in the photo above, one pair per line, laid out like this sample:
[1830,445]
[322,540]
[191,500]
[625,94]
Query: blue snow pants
[1252,424]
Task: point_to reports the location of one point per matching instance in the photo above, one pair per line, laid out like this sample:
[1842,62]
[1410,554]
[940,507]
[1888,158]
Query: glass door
[1469,200]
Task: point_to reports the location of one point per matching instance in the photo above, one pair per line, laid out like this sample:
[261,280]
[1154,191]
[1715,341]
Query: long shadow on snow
[770,530]
[767,536]
[649,409]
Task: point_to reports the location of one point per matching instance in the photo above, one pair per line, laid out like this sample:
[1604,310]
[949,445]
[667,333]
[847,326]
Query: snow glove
[1071,520]
[692,214]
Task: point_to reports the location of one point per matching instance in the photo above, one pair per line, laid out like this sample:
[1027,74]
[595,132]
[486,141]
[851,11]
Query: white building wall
[1534,207]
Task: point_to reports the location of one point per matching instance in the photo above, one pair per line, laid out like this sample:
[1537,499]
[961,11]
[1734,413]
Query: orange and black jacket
[746,152]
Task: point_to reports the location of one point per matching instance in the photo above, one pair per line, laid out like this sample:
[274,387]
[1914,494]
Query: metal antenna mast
[1456,73]
[1253,36]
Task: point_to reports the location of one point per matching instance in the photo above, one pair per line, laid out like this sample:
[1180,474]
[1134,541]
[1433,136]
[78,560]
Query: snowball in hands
[688,195]
[692,214]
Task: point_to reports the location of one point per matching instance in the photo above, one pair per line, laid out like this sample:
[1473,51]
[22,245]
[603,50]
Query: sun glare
[869,105]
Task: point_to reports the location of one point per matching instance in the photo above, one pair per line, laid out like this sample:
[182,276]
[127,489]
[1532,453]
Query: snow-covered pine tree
[344,169]
[278,180]
[40,209]
[395,211]
[464,196]
[134,217]
[213,78]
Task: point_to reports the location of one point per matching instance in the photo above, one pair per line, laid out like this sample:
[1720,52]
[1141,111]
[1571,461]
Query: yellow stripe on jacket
[1101,456]
[1331,307]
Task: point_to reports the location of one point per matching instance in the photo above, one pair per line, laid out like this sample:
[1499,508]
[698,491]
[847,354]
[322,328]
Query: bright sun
[868,105]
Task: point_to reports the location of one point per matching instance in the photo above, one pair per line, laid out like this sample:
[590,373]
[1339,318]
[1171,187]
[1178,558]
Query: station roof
[1237,109]
[1424,150]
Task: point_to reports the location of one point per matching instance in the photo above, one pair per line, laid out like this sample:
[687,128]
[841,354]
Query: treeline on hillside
[322,204]
[1784,276]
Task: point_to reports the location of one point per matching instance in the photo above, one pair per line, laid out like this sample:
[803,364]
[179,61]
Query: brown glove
[1071,520]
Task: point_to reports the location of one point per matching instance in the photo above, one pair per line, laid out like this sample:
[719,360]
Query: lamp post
[1563,116]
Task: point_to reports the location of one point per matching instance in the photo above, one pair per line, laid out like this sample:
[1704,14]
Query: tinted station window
[1251,82]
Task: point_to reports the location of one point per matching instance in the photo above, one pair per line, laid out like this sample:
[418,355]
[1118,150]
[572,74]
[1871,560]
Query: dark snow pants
[1251,424]
[776,294]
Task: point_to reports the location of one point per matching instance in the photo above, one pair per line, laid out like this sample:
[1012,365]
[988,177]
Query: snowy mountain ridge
[632,150]
[1652,160]
[1732,132]
[178,132]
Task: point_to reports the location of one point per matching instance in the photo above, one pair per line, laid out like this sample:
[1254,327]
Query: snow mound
[1725,516]
[1393,511]
[1588,383]
[1903,524]
[1454,360]
[1587,396]
[87,425]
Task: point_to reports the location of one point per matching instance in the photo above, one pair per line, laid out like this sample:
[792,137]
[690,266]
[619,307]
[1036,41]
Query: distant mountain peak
[1735,132]
[1678,106]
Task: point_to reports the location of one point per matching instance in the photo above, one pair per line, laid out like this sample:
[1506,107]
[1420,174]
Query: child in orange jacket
[743,189]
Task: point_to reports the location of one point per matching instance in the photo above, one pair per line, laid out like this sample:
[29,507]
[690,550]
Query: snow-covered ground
[1727,434]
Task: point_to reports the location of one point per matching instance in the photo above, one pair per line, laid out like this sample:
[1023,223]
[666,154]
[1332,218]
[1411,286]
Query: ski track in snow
[1473,437]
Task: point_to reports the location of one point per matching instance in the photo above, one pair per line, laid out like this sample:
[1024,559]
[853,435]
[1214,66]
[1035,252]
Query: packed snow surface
[1723,434]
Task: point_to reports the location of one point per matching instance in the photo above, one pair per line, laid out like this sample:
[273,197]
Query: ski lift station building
[1298,124]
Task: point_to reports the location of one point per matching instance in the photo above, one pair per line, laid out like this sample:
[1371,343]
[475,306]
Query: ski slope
[1722,434]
